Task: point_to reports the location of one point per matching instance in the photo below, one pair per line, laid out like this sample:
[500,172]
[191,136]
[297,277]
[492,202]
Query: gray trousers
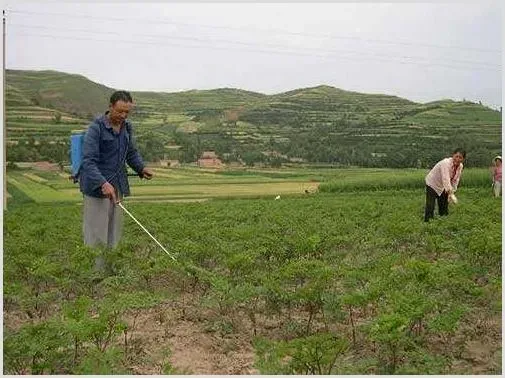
[102,222]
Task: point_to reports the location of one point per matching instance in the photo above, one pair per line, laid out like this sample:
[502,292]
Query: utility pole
[4,118]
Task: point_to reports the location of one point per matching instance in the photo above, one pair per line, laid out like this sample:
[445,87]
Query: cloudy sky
[419,51]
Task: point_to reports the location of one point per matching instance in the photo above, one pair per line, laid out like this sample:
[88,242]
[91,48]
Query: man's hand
[147,174]
[109,191]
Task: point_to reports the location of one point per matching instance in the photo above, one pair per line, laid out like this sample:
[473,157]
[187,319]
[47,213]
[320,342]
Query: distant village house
[209,159]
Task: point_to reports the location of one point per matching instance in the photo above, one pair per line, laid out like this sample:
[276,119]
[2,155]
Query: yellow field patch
[34,177]
[177,117]
[157,199]
[189,126]
[224,190]
[167,173]
[218,190]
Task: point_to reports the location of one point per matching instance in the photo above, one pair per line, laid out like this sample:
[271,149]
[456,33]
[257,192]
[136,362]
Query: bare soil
[193,339]
[196,348]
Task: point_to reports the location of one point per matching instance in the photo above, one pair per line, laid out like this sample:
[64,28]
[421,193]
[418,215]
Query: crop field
[344,279]
[178,183]
[193,183]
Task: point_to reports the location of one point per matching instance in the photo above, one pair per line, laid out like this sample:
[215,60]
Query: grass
[384,179]
[382,260]
[39,192]
[190,183]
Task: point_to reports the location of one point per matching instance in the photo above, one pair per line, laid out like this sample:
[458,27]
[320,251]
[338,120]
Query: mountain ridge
[312,124]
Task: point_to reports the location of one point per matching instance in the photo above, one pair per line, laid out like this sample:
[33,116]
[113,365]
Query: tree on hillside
[57,117]
[231,116]
[151,147]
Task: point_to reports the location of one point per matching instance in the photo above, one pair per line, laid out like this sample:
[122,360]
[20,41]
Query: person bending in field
[441,182]
[108,145]
[496,175]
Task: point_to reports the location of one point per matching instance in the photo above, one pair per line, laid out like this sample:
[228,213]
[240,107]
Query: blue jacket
[104,155]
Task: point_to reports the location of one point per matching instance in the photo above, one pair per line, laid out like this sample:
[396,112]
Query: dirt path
[195,346]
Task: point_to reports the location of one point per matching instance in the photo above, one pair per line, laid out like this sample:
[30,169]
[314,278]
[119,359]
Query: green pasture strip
[373,180]
[256,172]
[39,117]
[396,179]
[51,176]
[17,196]
[173,117]
[40,192]
[63,184]
[279,175]
[58,180]
[195,183]
[29,108]
[28,124]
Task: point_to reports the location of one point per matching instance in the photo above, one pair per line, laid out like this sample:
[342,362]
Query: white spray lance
[148,233]
[188,267]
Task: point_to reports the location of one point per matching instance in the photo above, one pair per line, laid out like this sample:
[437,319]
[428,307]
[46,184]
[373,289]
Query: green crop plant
[41,348]
[416,296]
[221,289]
[445,323]
[352,301]
[107,362]
[250,297]
[133,303]
[77,323]
[389,331]
[304,281]
[246,290]
[419,360]
[166,367]
[314,354]
[100,323]
[38,292]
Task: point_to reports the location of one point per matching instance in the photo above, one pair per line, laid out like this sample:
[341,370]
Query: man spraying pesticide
[98,163]
[99,159]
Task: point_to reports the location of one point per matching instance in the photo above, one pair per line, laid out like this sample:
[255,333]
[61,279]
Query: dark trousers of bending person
[442,200]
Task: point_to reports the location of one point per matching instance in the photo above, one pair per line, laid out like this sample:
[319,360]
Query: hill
[320,124]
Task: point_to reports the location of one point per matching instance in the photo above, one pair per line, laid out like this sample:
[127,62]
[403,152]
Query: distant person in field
[441,182]
[108,145]
[496,174]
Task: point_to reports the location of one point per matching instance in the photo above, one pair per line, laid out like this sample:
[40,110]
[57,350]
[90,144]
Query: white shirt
[439,178]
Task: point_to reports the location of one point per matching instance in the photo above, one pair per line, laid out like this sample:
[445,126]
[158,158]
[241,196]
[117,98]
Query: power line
[277,52]
[253,44]
[278,31]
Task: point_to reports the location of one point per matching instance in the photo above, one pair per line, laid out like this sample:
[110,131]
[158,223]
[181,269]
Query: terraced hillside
[313,125]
